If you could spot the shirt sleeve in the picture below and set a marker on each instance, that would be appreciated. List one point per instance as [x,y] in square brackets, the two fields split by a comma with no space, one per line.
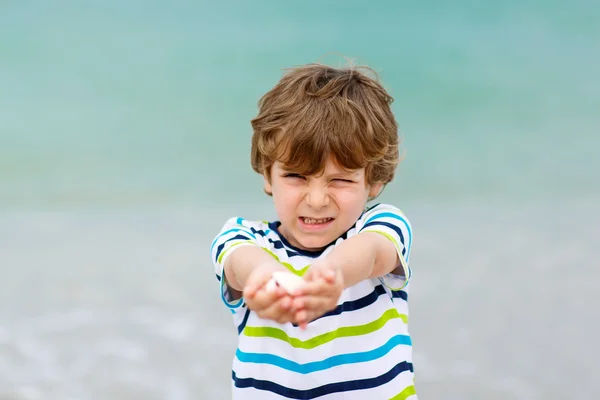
[390,222]
[236,233]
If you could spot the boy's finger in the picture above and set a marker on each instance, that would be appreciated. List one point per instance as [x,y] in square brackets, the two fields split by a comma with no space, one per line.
[330,275]
[255,304]
[318,304]
[301,317]
[262,299]
[255,282]
[312,289]
[304,317]
[250,289]
[317,288]
[309,275]
[270,296]
[277,309]
[298,303]
[315,273]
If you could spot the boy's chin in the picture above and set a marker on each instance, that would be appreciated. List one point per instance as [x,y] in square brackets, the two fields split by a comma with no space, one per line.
[314,243]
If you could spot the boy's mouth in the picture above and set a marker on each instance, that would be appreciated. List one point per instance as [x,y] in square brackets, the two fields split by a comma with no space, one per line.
[314,221]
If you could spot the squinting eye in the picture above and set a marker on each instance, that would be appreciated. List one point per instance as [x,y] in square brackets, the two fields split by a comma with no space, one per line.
[293,176]
[344,180]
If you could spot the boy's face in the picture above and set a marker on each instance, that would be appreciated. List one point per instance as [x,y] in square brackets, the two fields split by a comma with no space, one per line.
[316,210]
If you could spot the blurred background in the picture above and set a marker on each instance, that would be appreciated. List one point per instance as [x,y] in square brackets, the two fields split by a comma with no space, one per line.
[124,146]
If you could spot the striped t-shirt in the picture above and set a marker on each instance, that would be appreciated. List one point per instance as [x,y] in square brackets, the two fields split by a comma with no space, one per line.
[360,350]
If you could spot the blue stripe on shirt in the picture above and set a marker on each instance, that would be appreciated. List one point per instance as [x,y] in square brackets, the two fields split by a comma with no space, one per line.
[229,231]
[394,228]
[331,362]
[240,328]
[222,245]
[398,217]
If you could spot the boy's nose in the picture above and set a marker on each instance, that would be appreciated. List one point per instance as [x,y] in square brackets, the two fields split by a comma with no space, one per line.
[317,198]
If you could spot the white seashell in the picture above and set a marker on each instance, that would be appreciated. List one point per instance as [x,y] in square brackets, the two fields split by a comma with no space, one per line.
[271,285]
[286,280]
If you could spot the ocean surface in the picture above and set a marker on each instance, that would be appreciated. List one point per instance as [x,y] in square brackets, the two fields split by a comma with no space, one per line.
[124,146]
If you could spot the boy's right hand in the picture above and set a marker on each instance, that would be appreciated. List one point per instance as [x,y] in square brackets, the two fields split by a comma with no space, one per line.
[275,305]
[324,286]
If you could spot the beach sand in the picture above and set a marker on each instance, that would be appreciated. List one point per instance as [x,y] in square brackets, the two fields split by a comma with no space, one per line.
[125,305]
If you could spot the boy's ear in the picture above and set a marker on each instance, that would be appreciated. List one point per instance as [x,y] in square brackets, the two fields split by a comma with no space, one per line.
[375,189]
[267,186]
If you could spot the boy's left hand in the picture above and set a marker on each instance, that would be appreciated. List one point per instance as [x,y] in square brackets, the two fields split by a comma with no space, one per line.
[324,285]
[274,305]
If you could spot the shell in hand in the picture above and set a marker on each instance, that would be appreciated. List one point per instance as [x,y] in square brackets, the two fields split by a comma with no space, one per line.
[286,280]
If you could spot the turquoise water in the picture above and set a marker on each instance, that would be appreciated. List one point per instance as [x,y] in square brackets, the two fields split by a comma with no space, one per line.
[124,144]
[121,105]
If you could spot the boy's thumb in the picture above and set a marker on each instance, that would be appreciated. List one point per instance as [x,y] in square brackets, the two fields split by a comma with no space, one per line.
[310,274]
[256,281]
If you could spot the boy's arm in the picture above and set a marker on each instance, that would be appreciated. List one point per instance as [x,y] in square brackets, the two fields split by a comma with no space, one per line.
[245,260]
[246,271]
[380,249]
[366,255]
[243,267]
[237,254]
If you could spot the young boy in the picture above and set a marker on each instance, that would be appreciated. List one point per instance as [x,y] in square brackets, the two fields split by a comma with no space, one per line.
[326,142]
